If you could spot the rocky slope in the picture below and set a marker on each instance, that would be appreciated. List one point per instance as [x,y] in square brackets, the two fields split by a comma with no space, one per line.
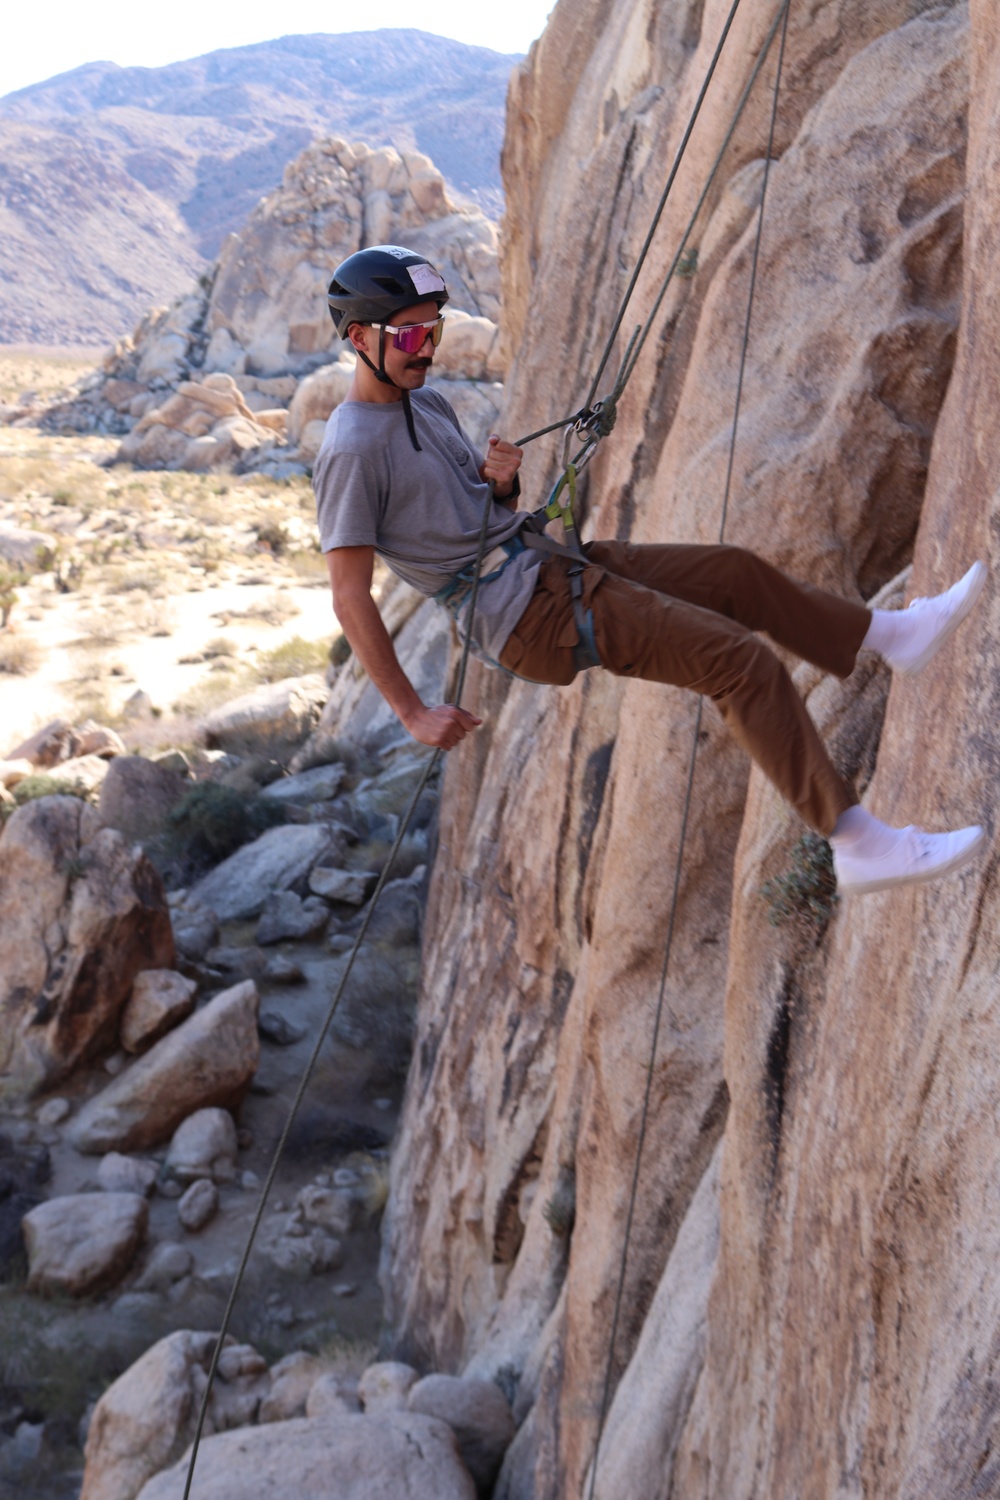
[811,1285]
[118,185]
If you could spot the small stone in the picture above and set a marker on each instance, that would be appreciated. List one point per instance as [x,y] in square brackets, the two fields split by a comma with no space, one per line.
[353,887]
[343,1177]
[168,1264]
[53,1112]
[249,1181]
[274,1028]
[169,1187]
[239,1360]
[281,970]
[285,915]
[292,1378]
[204,1145]
[126,1174]
[383,1104]
[345,1289]
[199,1205]
[307,1254]
[327,1397]
[114,1064]
[334,1209]
[323,1179]
[339,942]
[385,1386]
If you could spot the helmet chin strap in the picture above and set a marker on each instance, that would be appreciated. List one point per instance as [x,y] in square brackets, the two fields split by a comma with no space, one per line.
[379,371]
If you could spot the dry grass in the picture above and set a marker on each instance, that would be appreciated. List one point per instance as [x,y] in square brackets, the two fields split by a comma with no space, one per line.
[20,656]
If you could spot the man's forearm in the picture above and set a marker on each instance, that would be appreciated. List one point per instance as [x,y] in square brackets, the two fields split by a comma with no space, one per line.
[371,643]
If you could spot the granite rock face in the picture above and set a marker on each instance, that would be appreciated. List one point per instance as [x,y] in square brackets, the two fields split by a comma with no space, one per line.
[803,1049]
[81,912]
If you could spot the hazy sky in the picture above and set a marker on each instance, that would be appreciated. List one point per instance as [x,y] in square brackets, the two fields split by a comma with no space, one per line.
[43,39]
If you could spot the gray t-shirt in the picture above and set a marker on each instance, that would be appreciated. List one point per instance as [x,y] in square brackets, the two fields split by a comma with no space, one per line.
[420,511]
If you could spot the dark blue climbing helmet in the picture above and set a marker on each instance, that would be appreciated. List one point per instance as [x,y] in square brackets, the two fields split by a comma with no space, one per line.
[371,285]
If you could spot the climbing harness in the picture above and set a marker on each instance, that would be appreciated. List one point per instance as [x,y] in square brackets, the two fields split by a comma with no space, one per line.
[590,424]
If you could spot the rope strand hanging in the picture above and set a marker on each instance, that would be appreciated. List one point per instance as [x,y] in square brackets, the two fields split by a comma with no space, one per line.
[781,18]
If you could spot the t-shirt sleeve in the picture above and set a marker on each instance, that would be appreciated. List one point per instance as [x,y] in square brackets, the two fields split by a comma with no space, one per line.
[347,501]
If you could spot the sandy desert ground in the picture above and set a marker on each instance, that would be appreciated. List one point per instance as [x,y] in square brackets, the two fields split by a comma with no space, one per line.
[185,588]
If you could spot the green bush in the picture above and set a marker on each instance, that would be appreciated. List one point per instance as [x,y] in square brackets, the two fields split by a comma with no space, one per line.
[210,822]
[293,658]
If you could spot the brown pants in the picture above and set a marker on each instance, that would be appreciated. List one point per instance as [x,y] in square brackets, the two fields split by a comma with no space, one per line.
[686,615]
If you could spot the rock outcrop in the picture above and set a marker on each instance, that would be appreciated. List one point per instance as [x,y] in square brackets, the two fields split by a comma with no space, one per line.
[244,370]
[81,912]
[824,1360]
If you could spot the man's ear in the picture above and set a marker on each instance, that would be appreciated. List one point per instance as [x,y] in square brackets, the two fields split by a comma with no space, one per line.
[357,333]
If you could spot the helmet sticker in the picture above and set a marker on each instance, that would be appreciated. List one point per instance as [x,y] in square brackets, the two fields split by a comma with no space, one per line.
[426,280]
[399,251]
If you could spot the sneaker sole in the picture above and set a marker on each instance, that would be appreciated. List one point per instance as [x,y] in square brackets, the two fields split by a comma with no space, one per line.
[979,569]
[865,887]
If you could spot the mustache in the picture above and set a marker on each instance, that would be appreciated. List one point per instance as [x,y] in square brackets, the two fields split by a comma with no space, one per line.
[419,364]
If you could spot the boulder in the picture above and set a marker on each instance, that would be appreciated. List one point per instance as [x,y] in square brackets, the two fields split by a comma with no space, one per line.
[318,785]
[385,1386]
[146,1419]
[347,1456]
[317,396]
[330,1396]
[204,1145]
[84,1242]
[335,1209]
[81,912]
[208,1060]
[160,998]
[198,1206]
[168,1264]
[286,915]
[126,1174]
[59,741]
[240,886]
[13,772]
[84,773]
[292,1379]
[277,714]
[479,1415]
[196,929]
[22,547]
[137,795]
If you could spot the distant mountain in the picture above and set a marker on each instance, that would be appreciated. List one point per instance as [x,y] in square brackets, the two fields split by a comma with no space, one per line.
[118,185]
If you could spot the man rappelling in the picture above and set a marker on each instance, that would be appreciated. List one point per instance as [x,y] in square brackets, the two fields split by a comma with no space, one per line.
[397,476]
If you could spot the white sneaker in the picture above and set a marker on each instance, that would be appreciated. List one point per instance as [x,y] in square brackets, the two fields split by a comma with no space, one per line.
[916,856]
[936,619]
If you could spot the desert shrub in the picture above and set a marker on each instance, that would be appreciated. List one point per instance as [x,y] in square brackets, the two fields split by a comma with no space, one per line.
[274,609]
[19,655]
[210,822]
[807,892]
[293,658]
[8,594]
[40,785]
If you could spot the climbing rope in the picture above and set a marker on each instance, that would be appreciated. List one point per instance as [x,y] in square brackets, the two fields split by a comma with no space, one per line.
[591,423]
[425,777]
[781,18]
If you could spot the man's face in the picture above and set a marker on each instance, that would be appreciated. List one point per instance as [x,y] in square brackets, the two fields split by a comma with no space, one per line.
[406,370]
